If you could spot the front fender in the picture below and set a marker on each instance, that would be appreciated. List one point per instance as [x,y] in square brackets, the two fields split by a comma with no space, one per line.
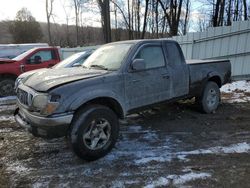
[91,95]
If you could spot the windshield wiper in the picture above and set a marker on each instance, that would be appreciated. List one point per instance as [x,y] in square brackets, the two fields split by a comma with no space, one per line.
[99,66]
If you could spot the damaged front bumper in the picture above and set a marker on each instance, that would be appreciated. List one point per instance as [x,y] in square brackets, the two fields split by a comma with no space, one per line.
[49,127]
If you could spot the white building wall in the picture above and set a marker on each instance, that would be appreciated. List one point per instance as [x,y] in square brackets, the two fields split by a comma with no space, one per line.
[227,42]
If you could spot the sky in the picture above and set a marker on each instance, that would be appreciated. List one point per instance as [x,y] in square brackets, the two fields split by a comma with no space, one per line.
[9,8]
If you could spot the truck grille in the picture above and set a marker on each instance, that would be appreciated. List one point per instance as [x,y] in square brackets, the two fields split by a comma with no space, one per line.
[24,97]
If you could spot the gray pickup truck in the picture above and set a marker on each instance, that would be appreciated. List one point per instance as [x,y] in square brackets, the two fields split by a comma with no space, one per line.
[119,78]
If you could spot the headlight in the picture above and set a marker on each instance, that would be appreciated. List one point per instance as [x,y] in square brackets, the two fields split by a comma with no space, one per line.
[40,101]
[44,104]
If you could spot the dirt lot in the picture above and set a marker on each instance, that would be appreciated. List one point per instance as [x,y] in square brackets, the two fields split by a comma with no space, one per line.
[173,145]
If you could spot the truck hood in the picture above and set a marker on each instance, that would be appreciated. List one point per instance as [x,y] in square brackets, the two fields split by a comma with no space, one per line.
[5,60]
[46,79]
[29,73]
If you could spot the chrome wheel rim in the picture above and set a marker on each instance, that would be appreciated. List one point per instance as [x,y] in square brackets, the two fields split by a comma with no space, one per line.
[212,98]
[97,135]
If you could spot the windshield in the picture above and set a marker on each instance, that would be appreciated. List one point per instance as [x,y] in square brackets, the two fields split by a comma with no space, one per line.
[108,57]
[69,60]
[23,55]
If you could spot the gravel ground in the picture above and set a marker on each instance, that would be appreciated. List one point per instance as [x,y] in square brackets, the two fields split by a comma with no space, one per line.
[168,146]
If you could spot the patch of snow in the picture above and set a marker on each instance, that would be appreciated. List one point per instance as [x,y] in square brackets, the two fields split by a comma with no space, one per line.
[40,184]
[161,181]
[182,179]
[152,136]
[6,130]
[17,168]
[177,180]
[7,118]
[236,92]
[134,128]
[117,184]
[130,182]
[150,159]
[234,148]
[238,85]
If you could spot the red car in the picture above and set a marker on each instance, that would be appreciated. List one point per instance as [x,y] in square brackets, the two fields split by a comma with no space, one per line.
[35,58]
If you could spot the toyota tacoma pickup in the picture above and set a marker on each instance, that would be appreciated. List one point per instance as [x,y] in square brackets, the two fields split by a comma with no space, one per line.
[85,103]
[35,58]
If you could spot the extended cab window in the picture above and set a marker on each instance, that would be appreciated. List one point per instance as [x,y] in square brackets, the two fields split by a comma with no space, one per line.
[173,54]
[45,55]
[152,55]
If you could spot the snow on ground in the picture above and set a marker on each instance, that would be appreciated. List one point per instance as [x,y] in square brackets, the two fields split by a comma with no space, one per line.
[234,148]
[161,181]
[177,180]
[182,179]
[7,118]
[238,85]
[236,92]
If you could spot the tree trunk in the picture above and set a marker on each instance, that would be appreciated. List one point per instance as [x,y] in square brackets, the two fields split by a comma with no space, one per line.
[186,18]
[145,20]
[229,13]
[76,21]
[48,14]
[157,19]
[216,14]
[138,19]
[105,16]
[245,9]
[221,17]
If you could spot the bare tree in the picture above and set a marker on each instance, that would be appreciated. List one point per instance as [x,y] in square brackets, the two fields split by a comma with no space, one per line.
[105,17]
[172,11]
[49,9]
[67,14]
[245,9]
[77,5]
[145,19]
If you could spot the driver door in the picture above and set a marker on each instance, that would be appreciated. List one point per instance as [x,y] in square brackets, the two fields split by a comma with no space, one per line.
[40,59]
[151,85]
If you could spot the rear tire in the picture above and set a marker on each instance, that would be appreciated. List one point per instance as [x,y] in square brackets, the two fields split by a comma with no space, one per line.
[94,131]
[210,99]
[7,87]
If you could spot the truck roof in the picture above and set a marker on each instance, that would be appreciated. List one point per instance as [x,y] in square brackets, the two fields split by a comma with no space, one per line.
[46,47]
[141,41]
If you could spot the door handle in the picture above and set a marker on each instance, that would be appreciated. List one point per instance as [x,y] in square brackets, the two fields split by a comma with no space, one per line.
[134,81]
[166,76]
[22,68]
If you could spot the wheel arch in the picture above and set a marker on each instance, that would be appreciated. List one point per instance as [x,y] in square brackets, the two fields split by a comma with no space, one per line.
[8,75]
[215,77]
[110,102]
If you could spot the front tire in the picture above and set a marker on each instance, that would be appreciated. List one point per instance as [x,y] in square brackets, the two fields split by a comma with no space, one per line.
[94,131]
[7,87]
[210,99]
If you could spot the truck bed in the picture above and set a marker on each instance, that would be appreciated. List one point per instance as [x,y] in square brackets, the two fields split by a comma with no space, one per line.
[201,70]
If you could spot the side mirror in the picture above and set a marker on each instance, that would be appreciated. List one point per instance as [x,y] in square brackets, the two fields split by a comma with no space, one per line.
[37,59]
[138,64]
